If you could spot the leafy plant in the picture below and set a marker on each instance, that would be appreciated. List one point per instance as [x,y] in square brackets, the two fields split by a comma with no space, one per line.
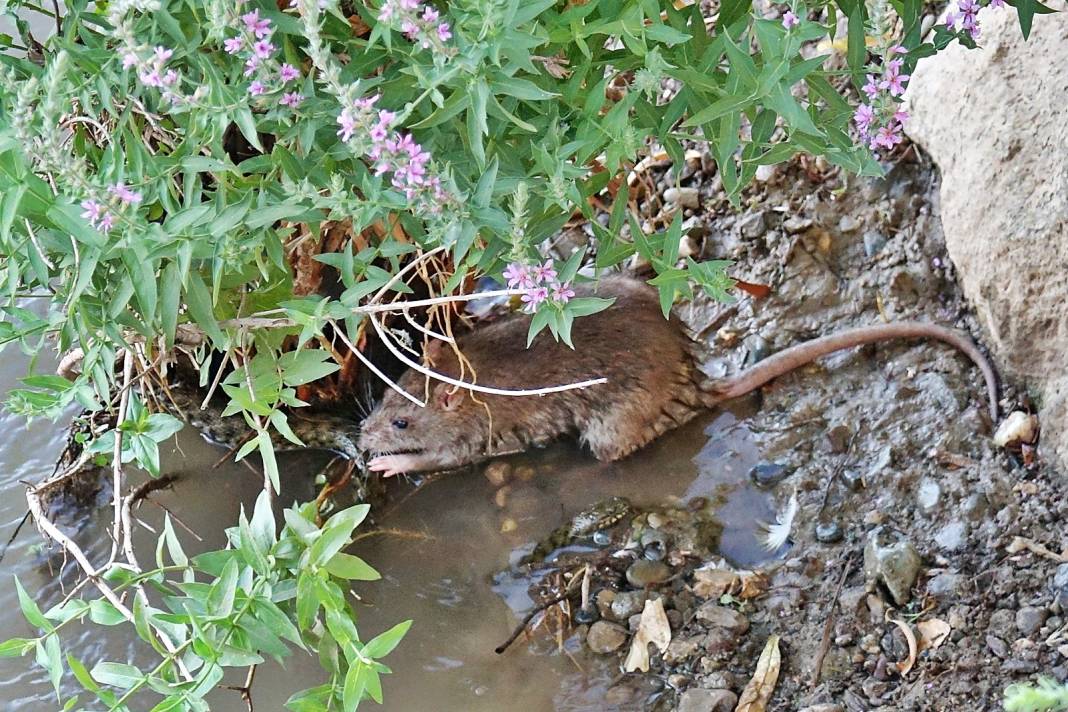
[1046,696]
[161,161]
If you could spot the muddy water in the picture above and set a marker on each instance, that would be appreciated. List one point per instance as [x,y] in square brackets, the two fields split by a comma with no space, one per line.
[442,553]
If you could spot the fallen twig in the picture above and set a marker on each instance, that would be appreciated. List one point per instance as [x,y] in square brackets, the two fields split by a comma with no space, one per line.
[825,643]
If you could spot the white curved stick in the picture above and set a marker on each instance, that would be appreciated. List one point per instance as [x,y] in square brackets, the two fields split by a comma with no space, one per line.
[375,369]
[475,387]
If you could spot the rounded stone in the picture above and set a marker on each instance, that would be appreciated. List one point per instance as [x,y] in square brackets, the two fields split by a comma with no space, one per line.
[647,572]
[699,700]
[605,637]
[768,474]
[828,532]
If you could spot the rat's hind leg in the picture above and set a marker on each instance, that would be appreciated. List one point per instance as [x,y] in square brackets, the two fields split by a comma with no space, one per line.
[616,433]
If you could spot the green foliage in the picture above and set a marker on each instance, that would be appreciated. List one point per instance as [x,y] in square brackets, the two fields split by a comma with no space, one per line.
[1046,696]
[265,596]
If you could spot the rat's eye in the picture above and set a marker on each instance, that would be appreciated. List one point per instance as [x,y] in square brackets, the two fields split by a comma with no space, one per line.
[400,423]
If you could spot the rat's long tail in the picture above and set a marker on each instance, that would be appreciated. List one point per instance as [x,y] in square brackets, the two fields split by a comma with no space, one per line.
[789,359]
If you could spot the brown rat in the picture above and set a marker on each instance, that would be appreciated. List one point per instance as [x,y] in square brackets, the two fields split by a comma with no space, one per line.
[653,385]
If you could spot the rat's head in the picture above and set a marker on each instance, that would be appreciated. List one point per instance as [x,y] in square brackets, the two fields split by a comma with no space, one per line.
[399,426]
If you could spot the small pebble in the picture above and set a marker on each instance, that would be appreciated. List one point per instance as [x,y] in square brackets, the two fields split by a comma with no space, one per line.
[605,637]
[1030,619]
[686,197]
[498,473]
[585,615]
[828,532]
[873,242]
[654,551]
[848,223]
[753,225]
[508,526]
[500,497]
[768,474]
[601,537]
[647,573]
[698,700]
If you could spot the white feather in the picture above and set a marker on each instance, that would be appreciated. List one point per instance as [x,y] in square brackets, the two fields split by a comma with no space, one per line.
[777,534]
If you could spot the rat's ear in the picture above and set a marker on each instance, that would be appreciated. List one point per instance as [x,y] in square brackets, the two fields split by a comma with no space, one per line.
[449,397]
[434,350]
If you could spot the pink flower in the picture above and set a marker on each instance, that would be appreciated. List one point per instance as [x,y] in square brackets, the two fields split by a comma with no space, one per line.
[562,293]
[997,3]
[107,221]
[535,297]
[518,276]
[170,78]
[91,211]
[545,273]
[151,78]
[347,124]
[790,20]
[162,54]
[287,72]
[951,20]
[124,194]
[261,27]
[444,34]
[129,60]
[887,136]
[893,81]
[863,118]
[901,116]
[234,45]
[263,49]
[256,88]
[291,99]
[898,49]
[251,65]
[872,87]
[430,15]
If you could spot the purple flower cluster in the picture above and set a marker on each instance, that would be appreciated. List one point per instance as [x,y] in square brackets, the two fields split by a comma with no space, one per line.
[370,131]
[966,15]
[422,25]
[267,75]
[539,283]
[880,121]
[151,70]
[101,215]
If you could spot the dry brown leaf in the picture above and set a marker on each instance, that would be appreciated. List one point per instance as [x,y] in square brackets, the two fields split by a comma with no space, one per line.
[756,694]
[904,666]
[1020,543]
[653,628]
[932,633]
[713,583]
[754,583]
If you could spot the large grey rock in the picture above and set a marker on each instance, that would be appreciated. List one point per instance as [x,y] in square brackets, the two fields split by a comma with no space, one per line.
[995,120]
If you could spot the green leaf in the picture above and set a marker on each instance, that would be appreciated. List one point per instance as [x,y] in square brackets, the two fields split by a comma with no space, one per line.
[270,464]
[247,125]
[220,600]
[305,366]
[355,683]
[30,611]
[381,645]
[351,567]
[198,299]
[16,647]
[520,89]
[116,674]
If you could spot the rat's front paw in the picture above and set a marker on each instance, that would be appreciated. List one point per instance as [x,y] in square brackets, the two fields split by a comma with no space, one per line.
[390,465]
